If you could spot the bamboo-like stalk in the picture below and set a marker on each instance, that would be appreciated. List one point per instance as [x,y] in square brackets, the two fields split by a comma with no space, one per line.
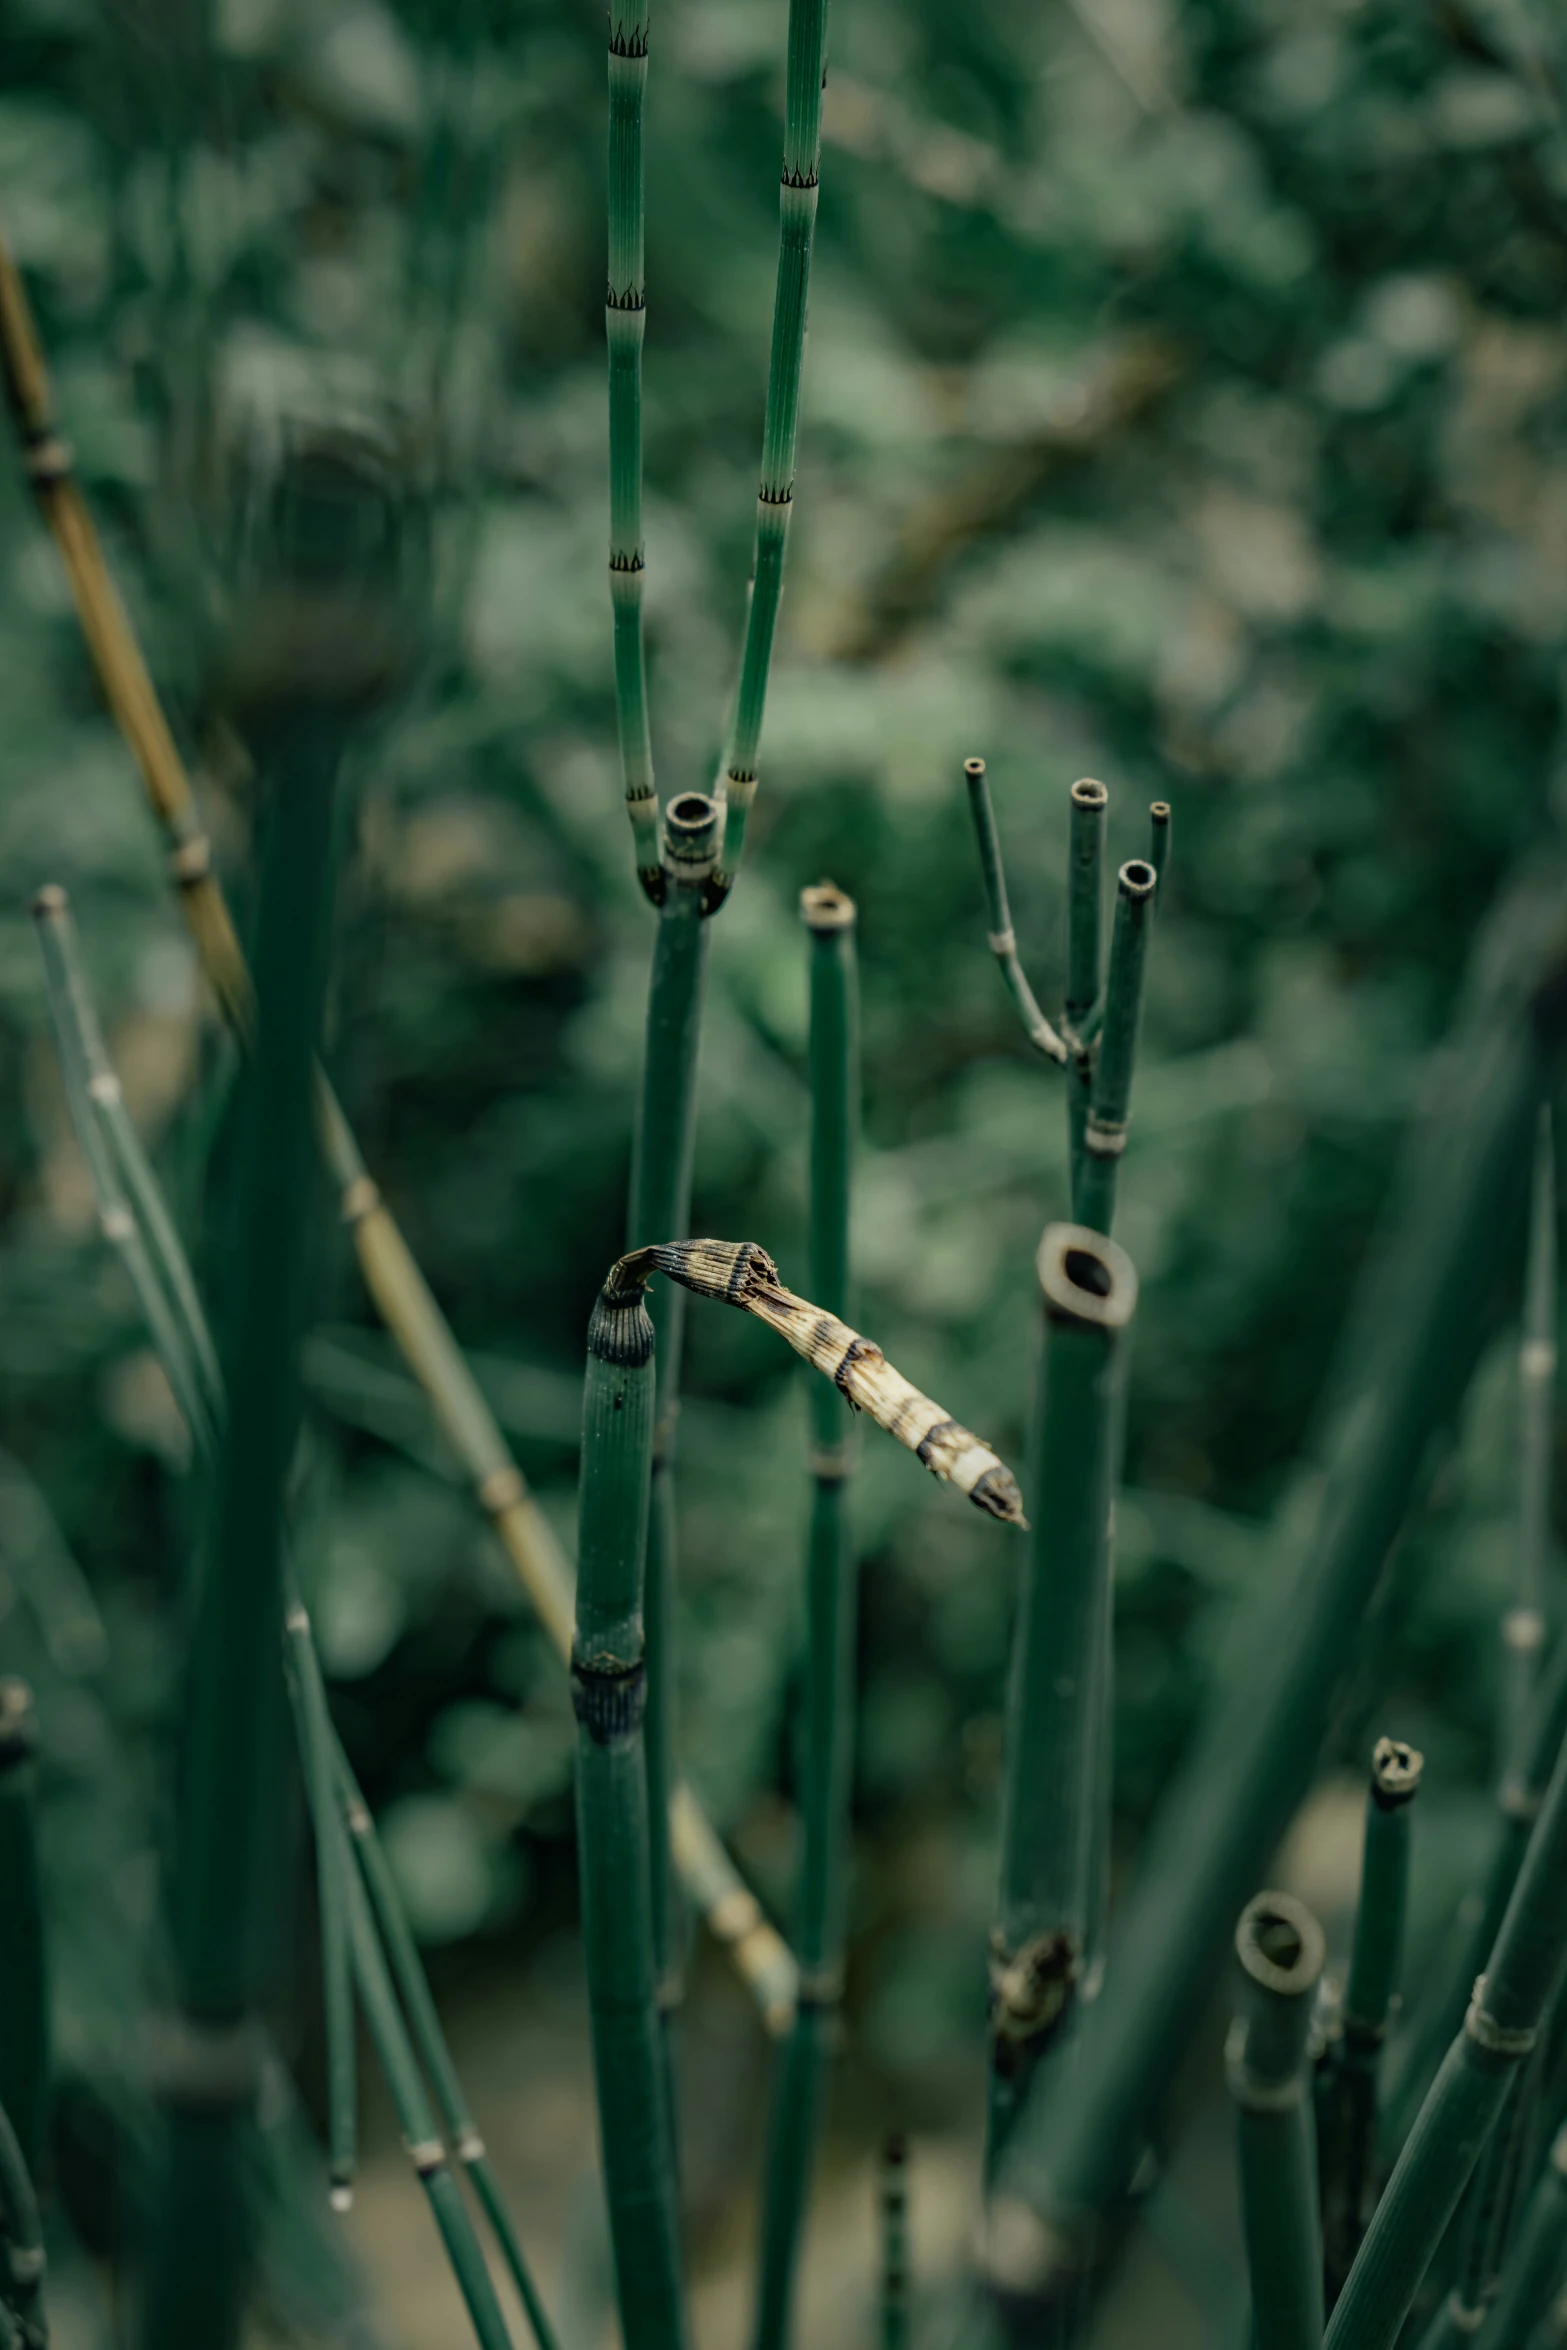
[660,1207]
[1003,939]
[625,320]
[24,2261]
[1110,1094]
[1055,1749]
[893,2211]
[609,1694]
[738,1273]
[229,1845]
[1082,1008]
[1523,1626]
[1281,1950]
[396,1286]
[800,2082]
[333,1863]
[1498,2034]
[24,1980]
[1538,2264]
[1072,2153]
[1488,2208]
[805,73]
[1369,2001]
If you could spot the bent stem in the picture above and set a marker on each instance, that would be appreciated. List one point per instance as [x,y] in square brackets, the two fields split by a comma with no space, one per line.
[1003,939]
[1056,1749]
[800,2080]
[1281,1950]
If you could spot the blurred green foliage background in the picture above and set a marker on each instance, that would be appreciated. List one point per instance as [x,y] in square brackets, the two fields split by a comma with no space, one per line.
[1184,405]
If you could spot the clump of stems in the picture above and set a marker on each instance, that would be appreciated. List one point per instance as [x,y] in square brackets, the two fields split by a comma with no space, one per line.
[826,1745]
[1538,2264]
[1054,1805]
[1348,2106]
[1281,1950]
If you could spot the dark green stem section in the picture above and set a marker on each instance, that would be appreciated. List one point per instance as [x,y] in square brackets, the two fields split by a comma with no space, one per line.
[1110,1095]
[799,2092]
[1281,1950]
[893,2331]
[1003,940]
[625,317]
[24,1982]
[1056,1749]
[1538,2265]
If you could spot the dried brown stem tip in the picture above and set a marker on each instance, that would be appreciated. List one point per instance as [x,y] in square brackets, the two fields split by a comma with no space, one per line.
[738,1273]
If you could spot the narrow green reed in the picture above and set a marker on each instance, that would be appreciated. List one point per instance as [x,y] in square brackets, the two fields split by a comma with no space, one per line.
[660,1209]
[1110,1092]
[1483,2225]
[609,1691]
[22,2282]
[333,1863]
[1280,1947]
[1159,840]
[1071,2155]
[893,2311]
[1056,1749]
[1498,2034]
[1081,1007]
[1003,939]
[1523,1626]
[826,1745]
[804,75]
[1349,2105]
[24,1982]
[1538,2264]
[625,319]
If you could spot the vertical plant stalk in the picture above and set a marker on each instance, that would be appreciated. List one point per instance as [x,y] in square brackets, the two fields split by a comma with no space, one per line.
[1486,2220]
[24,1981]
[1056,1749]
[1539,2261]
[625,319]
[800,2081]
[609,1689]
[1370,1999]
[804,75]
[1159,841]
[893,2206]
[1072,2153]
[1110,1093]
[21,2294]
[228,1868]
[1498,2035]
[396,1286]
[1523,1626]
[1002,938]
[333,1863]
[1081,1008]
[661,1210]
[1281,1950]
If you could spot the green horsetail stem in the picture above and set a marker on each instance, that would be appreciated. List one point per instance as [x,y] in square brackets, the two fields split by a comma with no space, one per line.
[22,2268]
[613,1861]
[1281,1950]
[893,2209]
[1072,2154]
[1055,1748]
[1003,939]
[1349,2115]
[738,1273]
[826,1747]
[805,73]
[333,1863]
[1523,1626]
[1081,1007]
[625,319]
[1110,1092]
[1484,2225]
[1538,2264]
[1498,2034]
[660,1205]
[1159,840]
[24,1979]
[229,1849]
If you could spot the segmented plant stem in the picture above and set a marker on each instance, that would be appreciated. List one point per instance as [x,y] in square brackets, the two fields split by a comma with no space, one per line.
[826,1747]
[1523,1626]
[1055,1750]
[1470,2090]
[1003,939]
[24,1980]
[1071,2154]
[1110,1092]
[609,1693]
[1081,1008]
[804,75]
[625,318]
[317,1742]
[397,1287]
[1281,1950]
[893,2200]
[1538,2264]
[1350,2101]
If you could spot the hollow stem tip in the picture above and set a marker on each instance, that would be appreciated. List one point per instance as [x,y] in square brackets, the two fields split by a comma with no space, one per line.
[738,1273]
[1395,1773]
[1281,1950]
